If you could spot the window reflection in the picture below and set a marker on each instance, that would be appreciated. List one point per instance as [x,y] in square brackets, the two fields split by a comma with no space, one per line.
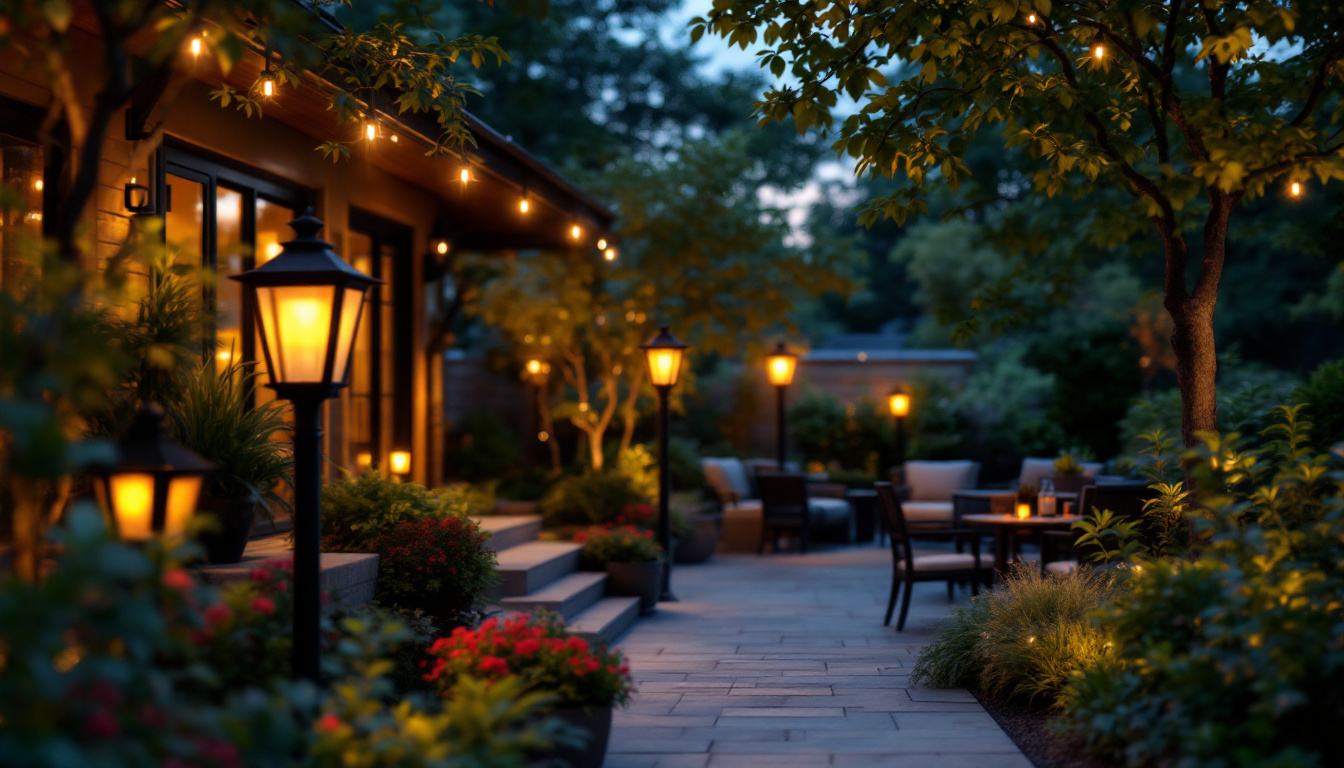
[230,250]
[20,225]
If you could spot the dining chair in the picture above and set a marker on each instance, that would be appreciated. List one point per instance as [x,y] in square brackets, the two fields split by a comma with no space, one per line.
[783,507]
[908,568]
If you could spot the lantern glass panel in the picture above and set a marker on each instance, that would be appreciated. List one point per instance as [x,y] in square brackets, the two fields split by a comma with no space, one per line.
[401,462]
[132,504]
[664,366]
[296,326]
[350,313]
[184,491]
[780,369]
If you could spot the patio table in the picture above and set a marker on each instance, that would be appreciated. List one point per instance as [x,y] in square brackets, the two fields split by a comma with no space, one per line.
[1008,527]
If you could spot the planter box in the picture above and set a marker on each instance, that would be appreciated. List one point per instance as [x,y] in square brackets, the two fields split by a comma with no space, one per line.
[352,577]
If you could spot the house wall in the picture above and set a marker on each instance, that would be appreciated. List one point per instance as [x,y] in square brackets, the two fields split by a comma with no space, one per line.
[275,149]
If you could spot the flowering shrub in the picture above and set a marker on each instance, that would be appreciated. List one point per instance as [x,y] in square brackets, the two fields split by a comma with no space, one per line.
[246,636]
[442,567]
[538,649]
[101,666]
[623,544]
[357,510]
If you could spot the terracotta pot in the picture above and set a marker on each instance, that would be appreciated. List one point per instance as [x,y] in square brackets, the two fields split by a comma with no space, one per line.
[642,580]
[700,541]
[234,515]
[597,722]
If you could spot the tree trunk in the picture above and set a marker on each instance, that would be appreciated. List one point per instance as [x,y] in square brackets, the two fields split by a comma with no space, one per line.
[1196,369]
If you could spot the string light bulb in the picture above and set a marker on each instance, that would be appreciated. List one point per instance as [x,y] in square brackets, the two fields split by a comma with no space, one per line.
[1031,18]
[1098,51]
[524,205]
[464,173]
[267,83]
[370,130]
[576,232]
[393,138]
[602,244]
[195,46]
[1295,189]
[609,254]
[441,246]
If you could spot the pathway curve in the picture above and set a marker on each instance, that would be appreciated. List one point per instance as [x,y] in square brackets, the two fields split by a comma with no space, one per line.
[782,660]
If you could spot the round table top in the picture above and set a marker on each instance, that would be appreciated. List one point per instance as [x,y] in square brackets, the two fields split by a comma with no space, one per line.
[1035,521]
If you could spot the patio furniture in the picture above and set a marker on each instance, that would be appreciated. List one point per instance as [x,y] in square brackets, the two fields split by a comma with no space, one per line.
[1009,528]
[786,505]
[908,568]
[864,503]
[1126,500]
[926,497]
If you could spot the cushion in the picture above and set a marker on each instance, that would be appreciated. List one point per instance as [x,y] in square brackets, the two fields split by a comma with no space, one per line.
[725,475]
[920,512]
[1090,469]
[1034,471]
[938,480]
[1062,567]
[948,562]
[825,510]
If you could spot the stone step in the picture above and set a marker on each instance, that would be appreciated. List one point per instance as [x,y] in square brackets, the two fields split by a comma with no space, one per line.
[566,596]
[351,577]
[526,568]
[606,619]
[510,530]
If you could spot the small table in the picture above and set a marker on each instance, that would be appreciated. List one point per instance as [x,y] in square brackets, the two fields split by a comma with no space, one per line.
[864,504]
[1008,527]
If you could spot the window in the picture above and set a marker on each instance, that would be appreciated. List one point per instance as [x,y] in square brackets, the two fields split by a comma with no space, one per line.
[22,171]
[380,371]
[227,221]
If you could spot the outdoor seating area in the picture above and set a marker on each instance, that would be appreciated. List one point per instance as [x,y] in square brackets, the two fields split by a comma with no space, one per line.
[671,384]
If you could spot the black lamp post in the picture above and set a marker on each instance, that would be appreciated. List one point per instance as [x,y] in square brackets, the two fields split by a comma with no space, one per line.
[779,368]
[308,305]
[153,489]
[898,402]
[663,354]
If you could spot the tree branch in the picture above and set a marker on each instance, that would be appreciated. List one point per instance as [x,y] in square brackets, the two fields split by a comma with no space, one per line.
[1317,89]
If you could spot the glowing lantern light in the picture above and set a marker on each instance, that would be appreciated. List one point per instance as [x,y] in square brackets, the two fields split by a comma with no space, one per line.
[400,462]
[154,488]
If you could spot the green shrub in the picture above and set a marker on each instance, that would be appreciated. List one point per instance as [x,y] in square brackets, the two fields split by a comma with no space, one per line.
[1022,639]
[683,464]
[620,544]
[1234,658]
[212,415]
[442,567]
[132,675]
[588,499]
[358,509]
[524,485]
[856,436]
[639,465]
[1323,394]
[487,447]
[463,499]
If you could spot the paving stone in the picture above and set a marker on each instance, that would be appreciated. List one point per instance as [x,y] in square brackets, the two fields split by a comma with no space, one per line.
[783,661]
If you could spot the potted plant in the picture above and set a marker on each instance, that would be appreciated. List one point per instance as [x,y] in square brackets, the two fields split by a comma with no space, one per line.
[631,558]
[213,417]
[1069,476]
[586,681]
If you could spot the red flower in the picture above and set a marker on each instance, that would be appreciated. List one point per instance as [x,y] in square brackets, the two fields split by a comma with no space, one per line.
[578,644]
[527,647]
[263,605]
[260,574]
[102,725]
[328,723]
[494,665]
[179,579]
[217,613]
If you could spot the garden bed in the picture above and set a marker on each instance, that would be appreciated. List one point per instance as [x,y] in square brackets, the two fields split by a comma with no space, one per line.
[1029,728]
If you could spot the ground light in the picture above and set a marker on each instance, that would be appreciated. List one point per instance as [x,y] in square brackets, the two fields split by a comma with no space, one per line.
[779,368]
[153,489]
[308,304]
[663,355]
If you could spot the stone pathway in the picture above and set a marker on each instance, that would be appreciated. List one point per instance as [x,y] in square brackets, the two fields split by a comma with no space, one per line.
[782,660]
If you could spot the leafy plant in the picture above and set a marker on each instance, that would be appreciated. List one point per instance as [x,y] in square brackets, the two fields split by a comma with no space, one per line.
[639,465]
[441,566]
[1023,639]
[486,447]
[1232,658]
[1162,528]
[213,416]
[588,499]
[623,544]
[538,649]
[1067,464]
[1323,395]
[356,510]
[462,500]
